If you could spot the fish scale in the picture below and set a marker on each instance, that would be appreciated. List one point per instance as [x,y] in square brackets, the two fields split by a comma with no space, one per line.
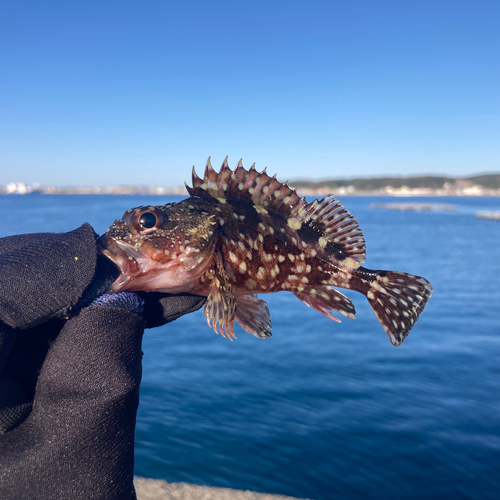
[243,232]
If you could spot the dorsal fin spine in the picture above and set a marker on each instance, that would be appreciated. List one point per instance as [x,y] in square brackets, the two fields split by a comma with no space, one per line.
[327,216]
[197,182]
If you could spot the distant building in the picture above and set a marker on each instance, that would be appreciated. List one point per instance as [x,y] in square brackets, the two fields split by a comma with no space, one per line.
[17,188]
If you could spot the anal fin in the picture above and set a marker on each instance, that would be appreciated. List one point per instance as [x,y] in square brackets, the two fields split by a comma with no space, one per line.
[323,299]
[253,316]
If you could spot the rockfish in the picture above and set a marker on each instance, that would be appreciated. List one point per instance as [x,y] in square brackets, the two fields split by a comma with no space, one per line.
[241,233]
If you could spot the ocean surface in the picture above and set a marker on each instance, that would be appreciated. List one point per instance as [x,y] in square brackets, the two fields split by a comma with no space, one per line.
[326,410]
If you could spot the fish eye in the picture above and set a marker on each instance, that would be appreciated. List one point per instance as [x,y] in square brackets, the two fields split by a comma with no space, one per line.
[145,220]
[148,220]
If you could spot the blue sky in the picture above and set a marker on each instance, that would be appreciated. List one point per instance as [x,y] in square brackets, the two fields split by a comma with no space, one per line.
[136,92]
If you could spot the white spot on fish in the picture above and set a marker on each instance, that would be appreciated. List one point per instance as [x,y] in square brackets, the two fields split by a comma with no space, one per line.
[242,267]
[267,257]
[322,242]
[351,263]
[294,223]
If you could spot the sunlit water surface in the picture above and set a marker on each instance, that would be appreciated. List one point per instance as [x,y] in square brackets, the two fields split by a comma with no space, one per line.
[325,410]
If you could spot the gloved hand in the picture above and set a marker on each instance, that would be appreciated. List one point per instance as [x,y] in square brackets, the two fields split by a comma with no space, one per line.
[70,368]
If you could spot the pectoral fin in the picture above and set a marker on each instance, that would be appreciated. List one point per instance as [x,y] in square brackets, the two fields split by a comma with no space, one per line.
[221,303]
[222,307]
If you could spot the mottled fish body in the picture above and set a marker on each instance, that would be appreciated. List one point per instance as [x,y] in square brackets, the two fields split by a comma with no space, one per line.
[241,233]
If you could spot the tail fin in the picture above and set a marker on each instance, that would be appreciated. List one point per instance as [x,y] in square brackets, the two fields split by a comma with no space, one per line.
[398,299]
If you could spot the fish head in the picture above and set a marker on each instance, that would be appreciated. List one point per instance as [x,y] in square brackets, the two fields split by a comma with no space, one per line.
[160,248]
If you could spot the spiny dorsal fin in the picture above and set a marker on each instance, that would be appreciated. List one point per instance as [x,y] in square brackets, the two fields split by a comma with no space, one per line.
[250,185]
[329,217]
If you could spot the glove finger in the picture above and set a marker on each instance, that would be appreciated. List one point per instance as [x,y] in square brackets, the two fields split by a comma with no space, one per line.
[14,404]
[162,308]
[46,276]
[78,441]
[22,353]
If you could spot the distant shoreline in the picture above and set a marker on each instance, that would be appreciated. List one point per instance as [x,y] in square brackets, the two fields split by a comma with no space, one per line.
[478,185]
[407,193]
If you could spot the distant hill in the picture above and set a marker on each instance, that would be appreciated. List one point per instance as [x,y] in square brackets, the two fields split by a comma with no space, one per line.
[488,181]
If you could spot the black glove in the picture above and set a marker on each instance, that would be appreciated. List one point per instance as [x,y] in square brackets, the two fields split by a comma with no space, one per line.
[70,368]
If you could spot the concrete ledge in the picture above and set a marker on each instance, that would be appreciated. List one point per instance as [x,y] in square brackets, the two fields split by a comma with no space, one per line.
[153,489]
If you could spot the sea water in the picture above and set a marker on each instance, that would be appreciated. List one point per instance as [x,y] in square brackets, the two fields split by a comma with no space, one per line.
[326,410]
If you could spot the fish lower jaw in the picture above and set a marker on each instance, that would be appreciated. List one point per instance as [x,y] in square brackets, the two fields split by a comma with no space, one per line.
[123,260]
[165,281]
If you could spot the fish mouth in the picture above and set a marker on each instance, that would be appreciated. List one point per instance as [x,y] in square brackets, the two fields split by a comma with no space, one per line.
[121,255]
